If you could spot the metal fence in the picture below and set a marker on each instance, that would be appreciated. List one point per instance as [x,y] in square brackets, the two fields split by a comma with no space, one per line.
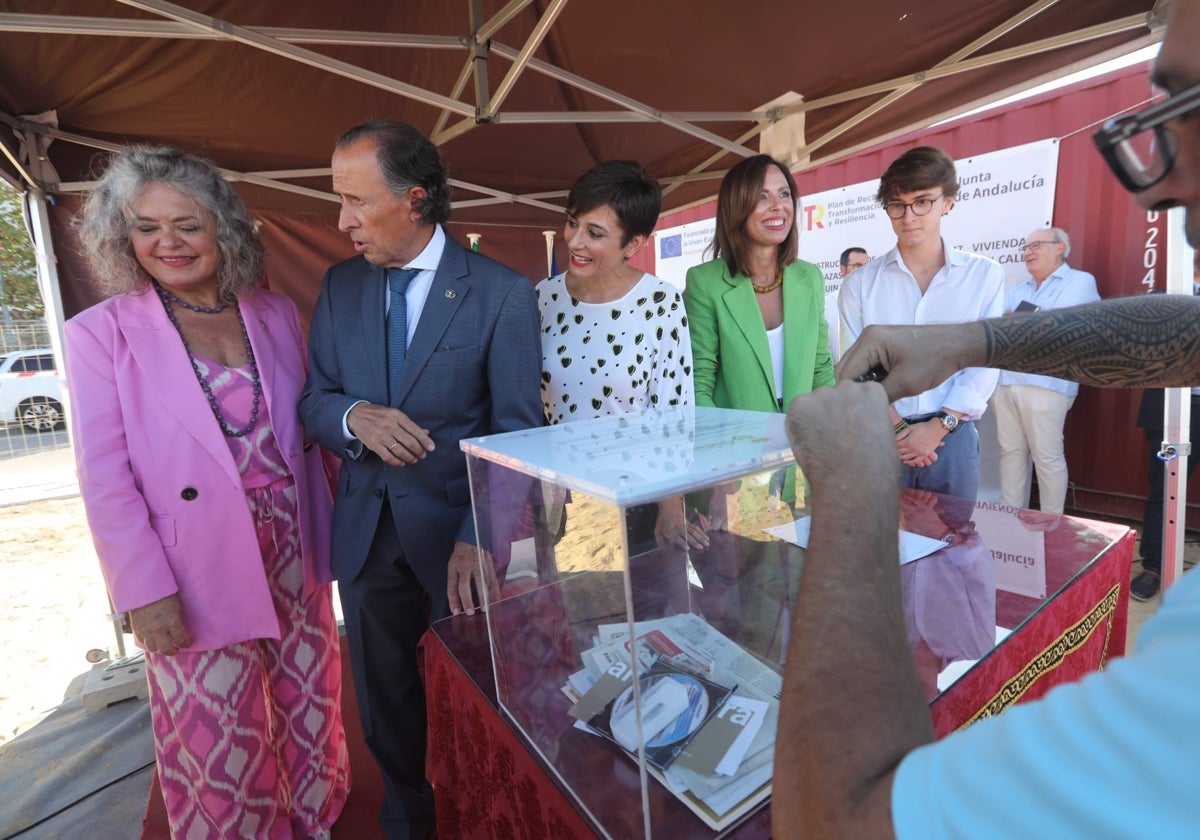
[23,335]
[32,418]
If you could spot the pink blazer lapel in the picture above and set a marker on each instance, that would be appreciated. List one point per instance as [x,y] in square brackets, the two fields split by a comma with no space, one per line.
[159,354]
[279,362]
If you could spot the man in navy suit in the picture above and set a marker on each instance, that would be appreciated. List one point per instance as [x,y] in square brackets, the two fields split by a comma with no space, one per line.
[416,343]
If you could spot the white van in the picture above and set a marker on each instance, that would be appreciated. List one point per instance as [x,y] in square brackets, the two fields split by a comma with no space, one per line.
[30,393]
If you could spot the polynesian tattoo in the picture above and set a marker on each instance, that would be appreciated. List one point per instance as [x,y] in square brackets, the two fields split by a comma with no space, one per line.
[1143,341]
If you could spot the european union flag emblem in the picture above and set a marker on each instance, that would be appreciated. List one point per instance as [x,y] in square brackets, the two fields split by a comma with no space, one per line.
[670,246]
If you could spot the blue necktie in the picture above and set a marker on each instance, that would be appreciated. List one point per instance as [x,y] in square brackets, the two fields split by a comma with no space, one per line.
[397,325]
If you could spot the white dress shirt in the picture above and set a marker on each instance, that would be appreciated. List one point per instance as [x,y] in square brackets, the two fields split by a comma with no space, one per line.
[418,288]
[967,288]
[1065,286]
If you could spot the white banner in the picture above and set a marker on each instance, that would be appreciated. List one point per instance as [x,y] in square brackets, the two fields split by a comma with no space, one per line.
[1003,197]
[679,248]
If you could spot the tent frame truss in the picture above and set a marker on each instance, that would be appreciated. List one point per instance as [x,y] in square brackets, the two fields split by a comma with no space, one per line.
[182,23]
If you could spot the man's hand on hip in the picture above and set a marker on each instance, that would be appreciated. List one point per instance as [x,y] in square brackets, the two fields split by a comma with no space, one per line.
[389,433]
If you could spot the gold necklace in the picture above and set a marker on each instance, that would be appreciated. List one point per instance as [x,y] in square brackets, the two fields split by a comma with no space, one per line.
[762,290]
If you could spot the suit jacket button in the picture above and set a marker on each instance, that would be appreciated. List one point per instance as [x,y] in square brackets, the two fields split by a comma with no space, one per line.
[188,494]
[378,493]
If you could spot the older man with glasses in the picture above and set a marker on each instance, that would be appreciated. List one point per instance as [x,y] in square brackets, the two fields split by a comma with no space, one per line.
[1113,755]
[925,281]
[1030,408]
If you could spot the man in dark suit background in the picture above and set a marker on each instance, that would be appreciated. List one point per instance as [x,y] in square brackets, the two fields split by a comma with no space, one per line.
[416,343]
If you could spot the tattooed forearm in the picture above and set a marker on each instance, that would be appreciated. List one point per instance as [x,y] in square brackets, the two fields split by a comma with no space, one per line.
[1149,340]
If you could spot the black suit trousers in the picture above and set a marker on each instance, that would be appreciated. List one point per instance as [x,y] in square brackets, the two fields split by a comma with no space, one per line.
[386,611]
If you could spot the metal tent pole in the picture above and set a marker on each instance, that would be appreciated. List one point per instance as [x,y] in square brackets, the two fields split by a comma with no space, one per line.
[1177,409]
[48,283]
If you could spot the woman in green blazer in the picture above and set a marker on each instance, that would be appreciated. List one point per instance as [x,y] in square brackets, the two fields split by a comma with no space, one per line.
[759,336]
[757,314]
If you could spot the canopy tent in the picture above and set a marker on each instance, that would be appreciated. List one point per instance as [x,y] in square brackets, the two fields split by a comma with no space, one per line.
[522,97]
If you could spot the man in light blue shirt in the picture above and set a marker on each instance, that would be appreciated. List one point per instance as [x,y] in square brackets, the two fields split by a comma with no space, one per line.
[1031,409]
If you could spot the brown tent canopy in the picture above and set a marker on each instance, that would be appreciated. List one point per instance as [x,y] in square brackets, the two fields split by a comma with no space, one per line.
[522,97]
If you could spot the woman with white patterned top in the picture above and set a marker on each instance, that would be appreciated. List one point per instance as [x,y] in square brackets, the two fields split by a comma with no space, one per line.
[614,338]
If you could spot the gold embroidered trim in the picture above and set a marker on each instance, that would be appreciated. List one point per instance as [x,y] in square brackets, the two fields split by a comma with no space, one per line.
[1053,655]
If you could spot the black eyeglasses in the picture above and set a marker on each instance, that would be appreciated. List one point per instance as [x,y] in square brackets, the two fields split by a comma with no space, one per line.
[1037,244]
[1139,148]
[920,207]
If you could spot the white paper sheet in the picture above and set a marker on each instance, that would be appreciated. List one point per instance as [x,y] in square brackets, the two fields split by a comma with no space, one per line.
[912,546]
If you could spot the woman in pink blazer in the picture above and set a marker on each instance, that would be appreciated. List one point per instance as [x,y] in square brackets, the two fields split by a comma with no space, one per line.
[209,512]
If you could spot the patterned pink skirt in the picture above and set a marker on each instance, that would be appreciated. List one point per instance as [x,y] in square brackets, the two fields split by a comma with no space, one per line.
[249,738]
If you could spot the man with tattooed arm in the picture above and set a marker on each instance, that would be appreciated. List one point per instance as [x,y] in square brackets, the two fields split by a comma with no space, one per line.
[856,755]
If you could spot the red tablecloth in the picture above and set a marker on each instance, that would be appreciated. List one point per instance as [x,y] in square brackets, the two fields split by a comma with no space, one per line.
[1076,631]
[490,784]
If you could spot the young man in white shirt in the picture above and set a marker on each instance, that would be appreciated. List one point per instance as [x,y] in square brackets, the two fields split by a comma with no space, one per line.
[924,281]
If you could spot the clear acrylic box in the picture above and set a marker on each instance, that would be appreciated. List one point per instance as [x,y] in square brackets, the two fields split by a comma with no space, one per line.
[569,516]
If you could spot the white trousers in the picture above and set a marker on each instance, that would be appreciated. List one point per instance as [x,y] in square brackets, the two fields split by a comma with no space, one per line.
[1029,421]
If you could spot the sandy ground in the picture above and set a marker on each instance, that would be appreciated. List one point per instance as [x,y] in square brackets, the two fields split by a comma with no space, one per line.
[52,608]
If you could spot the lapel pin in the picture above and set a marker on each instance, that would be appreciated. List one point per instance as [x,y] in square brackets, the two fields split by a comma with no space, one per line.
[450,294]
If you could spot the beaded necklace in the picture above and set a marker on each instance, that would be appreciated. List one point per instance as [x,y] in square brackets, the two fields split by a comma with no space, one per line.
[207,310]
[770,287]
[255,381]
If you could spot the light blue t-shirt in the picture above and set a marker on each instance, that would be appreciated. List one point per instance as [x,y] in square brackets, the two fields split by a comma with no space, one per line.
[1116,754]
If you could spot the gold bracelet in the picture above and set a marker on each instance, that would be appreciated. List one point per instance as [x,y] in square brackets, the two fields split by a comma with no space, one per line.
[900,427]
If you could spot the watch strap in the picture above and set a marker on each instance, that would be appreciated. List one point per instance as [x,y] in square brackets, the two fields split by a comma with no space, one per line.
[954,421]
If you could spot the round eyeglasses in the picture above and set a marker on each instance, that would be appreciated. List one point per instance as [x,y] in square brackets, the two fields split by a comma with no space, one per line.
[920,207]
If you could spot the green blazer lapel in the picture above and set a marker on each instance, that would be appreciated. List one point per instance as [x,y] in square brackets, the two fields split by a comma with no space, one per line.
[799,322]
[740,301]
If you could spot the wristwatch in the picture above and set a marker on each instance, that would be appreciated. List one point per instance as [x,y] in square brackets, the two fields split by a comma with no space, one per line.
[949,421]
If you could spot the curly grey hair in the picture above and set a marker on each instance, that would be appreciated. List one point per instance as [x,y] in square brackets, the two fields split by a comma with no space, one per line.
[106,218]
